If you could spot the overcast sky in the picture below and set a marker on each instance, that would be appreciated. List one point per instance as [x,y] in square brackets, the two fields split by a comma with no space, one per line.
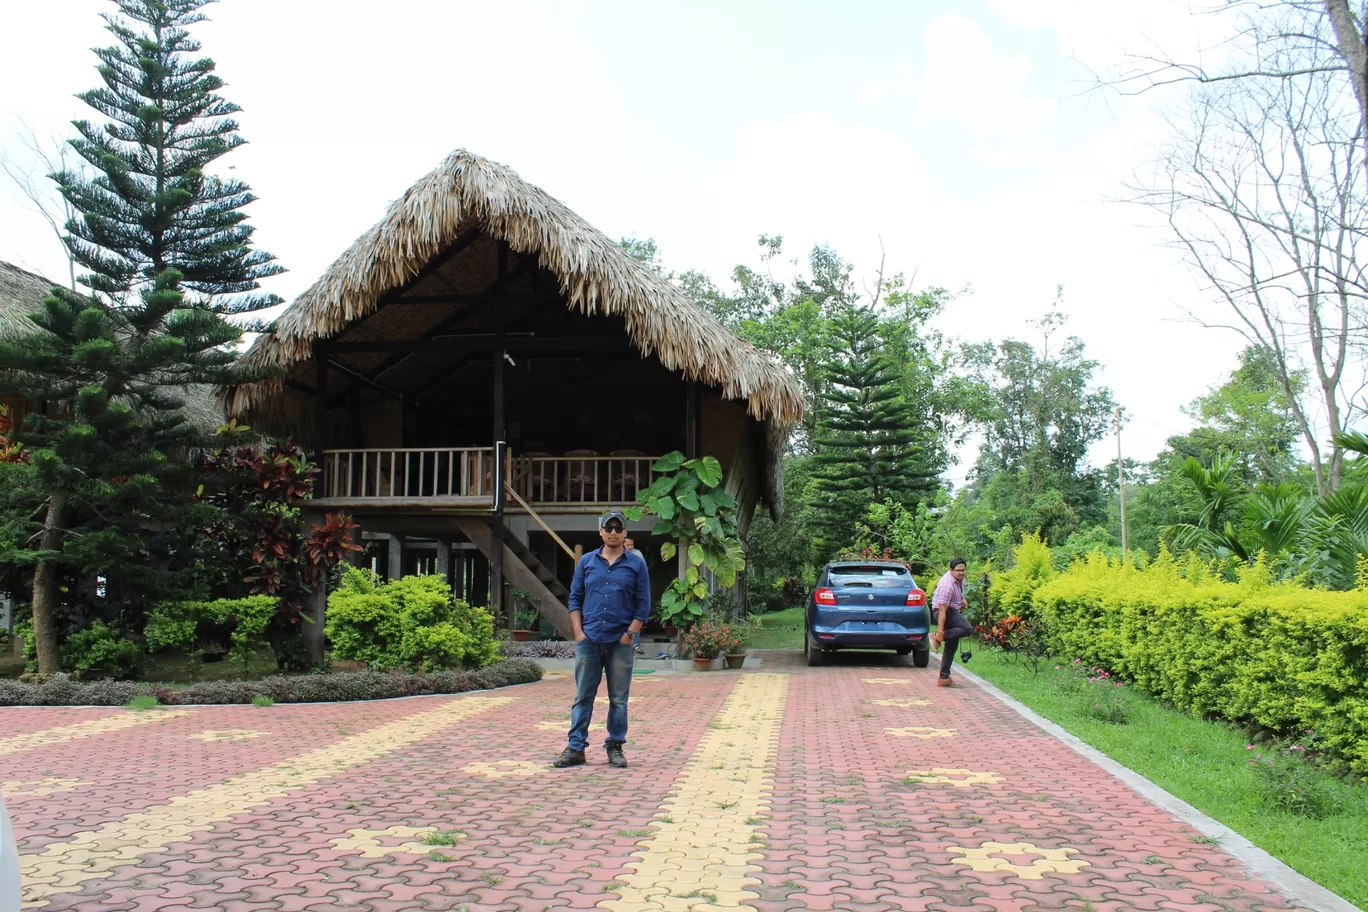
[960,136]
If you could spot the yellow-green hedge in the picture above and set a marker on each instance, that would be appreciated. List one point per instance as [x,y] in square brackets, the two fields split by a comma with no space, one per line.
[1274,654]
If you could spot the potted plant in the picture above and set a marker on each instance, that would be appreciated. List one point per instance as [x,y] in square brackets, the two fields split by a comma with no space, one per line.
[736,645]
[526,618]
[705,642]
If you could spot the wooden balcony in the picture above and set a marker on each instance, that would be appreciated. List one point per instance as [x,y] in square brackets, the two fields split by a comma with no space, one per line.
[463,478]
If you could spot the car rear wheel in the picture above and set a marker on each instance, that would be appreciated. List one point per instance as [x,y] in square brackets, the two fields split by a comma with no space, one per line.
[815,656]
[921,657]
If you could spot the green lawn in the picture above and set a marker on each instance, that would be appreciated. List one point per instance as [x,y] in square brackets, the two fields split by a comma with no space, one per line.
[780,630]
[1206,764]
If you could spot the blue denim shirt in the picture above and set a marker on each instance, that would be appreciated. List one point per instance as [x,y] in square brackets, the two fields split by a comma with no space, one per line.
[610,597]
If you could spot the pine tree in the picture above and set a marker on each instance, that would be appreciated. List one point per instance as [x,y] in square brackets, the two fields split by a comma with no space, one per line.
[169,253]
[871,444]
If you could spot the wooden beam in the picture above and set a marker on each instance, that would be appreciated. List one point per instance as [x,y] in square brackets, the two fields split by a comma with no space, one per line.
[437,262]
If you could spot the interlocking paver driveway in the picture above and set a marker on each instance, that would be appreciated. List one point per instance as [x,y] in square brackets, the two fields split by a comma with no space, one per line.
[859,787]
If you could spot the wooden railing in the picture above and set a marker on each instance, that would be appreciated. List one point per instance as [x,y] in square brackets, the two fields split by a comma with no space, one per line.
[582,479]
[409,473]
[468,472]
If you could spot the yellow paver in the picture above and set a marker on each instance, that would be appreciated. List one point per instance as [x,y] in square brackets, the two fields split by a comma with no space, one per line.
[553,725]
[62,866]
[228,734]
[37,788]
[701,856]
[921,731]
[87,729]
[366,843]
[1051,861]
[959,778]
[886,680]
[500,769]
[903,703]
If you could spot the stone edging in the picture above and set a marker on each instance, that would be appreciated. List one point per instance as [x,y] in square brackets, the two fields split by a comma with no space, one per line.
[1294,885]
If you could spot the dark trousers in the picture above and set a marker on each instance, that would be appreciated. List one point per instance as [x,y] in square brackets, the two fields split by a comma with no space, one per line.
[957,627]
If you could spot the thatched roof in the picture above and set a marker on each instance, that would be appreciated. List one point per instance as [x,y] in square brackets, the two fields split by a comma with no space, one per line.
[21,293]
[596,277]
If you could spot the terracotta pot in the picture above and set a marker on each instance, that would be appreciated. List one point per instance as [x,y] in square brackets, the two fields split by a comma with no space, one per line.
[736,661]
[702,664]
[522,636]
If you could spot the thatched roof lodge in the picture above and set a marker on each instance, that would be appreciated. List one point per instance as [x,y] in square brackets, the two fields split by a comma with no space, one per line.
[481,309]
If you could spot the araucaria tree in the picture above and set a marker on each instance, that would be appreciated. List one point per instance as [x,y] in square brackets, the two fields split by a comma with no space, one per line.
[168,253]
[870,443]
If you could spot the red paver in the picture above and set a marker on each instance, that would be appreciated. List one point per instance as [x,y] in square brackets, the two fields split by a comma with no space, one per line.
[557,840]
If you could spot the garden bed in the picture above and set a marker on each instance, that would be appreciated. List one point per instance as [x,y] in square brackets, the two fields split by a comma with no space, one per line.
[309,688]
[1208,765]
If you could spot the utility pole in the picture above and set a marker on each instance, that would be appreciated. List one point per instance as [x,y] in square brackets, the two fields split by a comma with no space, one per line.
[1121,485]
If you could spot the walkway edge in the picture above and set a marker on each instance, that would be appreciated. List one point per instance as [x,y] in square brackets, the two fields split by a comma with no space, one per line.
[1295,886]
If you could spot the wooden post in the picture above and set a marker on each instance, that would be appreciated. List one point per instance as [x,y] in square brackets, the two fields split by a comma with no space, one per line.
[691,437]
[315,615]
[496,568]
[320,431]
[444,559]
[395,570]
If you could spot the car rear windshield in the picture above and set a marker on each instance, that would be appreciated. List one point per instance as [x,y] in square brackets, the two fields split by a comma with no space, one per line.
[873,577]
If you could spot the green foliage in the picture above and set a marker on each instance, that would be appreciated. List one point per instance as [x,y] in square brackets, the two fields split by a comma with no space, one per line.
[1256,651]
[1288,783]
[696,516]
[191,625]
[143,702]
[1013,590]
[413,622]
[261,700]
[100,651]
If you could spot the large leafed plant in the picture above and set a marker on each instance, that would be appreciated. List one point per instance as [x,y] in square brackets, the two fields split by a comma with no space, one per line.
[699,519]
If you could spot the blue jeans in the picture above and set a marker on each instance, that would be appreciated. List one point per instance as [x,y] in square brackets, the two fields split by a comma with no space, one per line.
[591,661]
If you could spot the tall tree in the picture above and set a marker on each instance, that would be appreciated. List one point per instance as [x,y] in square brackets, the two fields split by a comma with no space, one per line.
[1258,191]
[870,444]
[169,253]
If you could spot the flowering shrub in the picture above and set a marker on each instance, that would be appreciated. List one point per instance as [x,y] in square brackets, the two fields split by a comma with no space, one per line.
[708,640]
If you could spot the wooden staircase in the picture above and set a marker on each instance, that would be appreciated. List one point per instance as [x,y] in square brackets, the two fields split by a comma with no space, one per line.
[524,570]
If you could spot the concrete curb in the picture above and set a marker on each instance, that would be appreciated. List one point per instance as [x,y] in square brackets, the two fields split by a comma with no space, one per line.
[1295,886]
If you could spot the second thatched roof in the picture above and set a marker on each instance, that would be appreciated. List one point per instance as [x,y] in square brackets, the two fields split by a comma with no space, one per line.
[21,293]
[596,277]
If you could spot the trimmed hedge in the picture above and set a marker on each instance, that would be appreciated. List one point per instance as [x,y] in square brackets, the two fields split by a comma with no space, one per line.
[1254,652]
[318,688]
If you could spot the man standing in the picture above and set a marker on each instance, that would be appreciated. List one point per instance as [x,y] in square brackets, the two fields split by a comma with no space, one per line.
[610,599]
[951,625]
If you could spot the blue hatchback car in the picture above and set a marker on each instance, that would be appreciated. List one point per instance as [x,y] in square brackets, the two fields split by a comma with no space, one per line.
[867,605]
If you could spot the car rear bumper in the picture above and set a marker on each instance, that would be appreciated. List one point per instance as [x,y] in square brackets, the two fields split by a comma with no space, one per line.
[844,636]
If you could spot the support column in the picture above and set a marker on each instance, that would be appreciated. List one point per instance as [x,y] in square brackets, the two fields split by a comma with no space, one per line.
[444,560]
[691,435]
[315,613]
[320,430]
[395,569]
[496,567]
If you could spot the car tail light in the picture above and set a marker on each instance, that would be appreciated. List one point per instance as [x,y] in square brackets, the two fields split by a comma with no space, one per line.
[916,598]
[825,597]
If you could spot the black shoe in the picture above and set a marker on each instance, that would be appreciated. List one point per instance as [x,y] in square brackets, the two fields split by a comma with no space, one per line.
[568,757]
[966,656]
[615,757]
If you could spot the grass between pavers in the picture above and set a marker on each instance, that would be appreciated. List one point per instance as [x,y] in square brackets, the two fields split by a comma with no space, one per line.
[780,630]
[1207,765]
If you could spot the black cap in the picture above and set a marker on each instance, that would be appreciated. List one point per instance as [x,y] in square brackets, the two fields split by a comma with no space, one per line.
[612,515]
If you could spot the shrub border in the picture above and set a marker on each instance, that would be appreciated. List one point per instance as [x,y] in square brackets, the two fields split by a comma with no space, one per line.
[62,691]
[1287,879]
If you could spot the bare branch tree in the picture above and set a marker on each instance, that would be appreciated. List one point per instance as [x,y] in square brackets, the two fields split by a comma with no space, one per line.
[1259,189]
[1277,40]
[48,155]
